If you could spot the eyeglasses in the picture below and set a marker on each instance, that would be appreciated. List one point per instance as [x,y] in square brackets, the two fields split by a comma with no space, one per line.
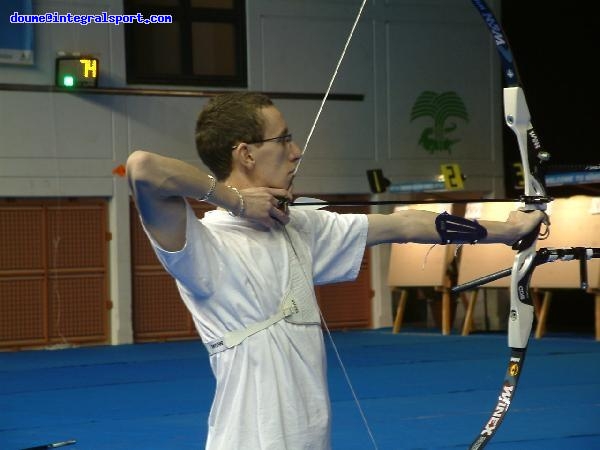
[283,139]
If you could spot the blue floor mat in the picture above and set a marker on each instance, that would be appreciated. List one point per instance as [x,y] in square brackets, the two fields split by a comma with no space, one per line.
[417,391]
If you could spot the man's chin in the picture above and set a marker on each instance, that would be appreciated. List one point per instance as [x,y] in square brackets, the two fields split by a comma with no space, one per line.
[286,184]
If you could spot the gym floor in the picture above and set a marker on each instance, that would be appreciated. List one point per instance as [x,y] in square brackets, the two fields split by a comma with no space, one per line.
[418,390]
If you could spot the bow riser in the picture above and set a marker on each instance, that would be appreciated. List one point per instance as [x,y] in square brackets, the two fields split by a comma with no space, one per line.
[518,119]
[521,307]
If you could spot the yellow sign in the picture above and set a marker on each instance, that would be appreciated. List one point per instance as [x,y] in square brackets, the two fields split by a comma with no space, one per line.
[89,67]
[453,179]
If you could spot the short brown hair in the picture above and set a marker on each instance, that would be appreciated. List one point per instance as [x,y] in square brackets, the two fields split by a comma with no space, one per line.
[225,121]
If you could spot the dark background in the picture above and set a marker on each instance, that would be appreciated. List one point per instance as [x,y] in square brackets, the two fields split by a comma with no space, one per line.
[556,48]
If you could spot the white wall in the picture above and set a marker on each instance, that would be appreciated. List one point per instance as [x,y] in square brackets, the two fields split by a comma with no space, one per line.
[56,144]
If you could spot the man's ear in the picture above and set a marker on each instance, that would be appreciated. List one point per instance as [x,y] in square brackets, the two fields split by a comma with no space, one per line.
[243,155]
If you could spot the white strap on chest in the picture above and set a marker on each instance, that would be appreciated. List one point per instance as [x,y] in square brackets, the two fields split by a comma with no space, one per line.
[233,338]
[298,306]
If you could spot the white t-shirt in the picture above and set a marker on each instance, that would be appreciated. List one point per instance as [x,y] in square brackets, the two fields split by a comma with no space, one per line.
[271,389]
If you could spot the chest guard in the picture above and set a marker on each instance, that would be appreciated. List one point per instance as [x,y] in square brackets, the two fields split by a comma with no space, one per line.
[301,292]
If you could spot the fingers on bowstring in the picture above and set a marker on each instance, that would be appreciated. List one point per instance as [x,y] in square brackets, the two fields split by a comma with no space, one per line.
[280,214]
[544,227]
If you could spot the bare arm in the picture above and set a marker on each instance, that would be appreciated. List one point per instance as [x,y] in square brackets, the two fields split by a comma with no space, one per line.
[419,227]
[159,185]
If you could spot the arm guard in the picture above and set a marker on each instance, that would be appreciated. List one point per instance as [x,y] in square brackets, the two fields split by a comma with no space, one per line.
[458,230]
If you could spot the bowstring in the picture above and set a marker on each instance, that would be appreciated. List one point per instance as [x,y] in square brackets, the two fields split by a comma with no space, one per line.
[310,134]
[331,81]
[54,298]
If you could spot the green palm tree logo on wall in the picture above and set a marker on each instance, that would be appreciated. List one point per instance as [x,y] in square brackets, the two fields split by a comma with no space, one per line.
[440,107]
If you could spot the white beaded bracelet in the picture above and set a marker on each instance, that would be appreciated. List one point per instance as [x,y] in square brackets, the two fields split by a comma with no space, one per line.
[211,190]
[242,207]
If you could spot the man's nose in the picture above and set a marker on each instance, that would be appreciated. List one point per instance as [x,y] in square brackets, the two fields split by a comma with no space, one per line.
[296,152]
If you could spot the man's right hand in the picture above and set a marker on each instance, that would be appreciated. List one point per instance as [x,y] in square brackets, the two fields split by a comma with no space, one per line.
[262,205]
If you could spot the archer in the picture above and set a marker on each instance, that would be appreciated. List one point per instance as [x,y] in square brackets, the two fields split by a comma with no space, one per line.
[247,271]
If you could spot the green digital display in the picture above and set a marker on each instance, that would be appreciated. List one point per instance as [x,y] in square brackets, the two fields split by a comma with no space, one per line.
[77,71]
